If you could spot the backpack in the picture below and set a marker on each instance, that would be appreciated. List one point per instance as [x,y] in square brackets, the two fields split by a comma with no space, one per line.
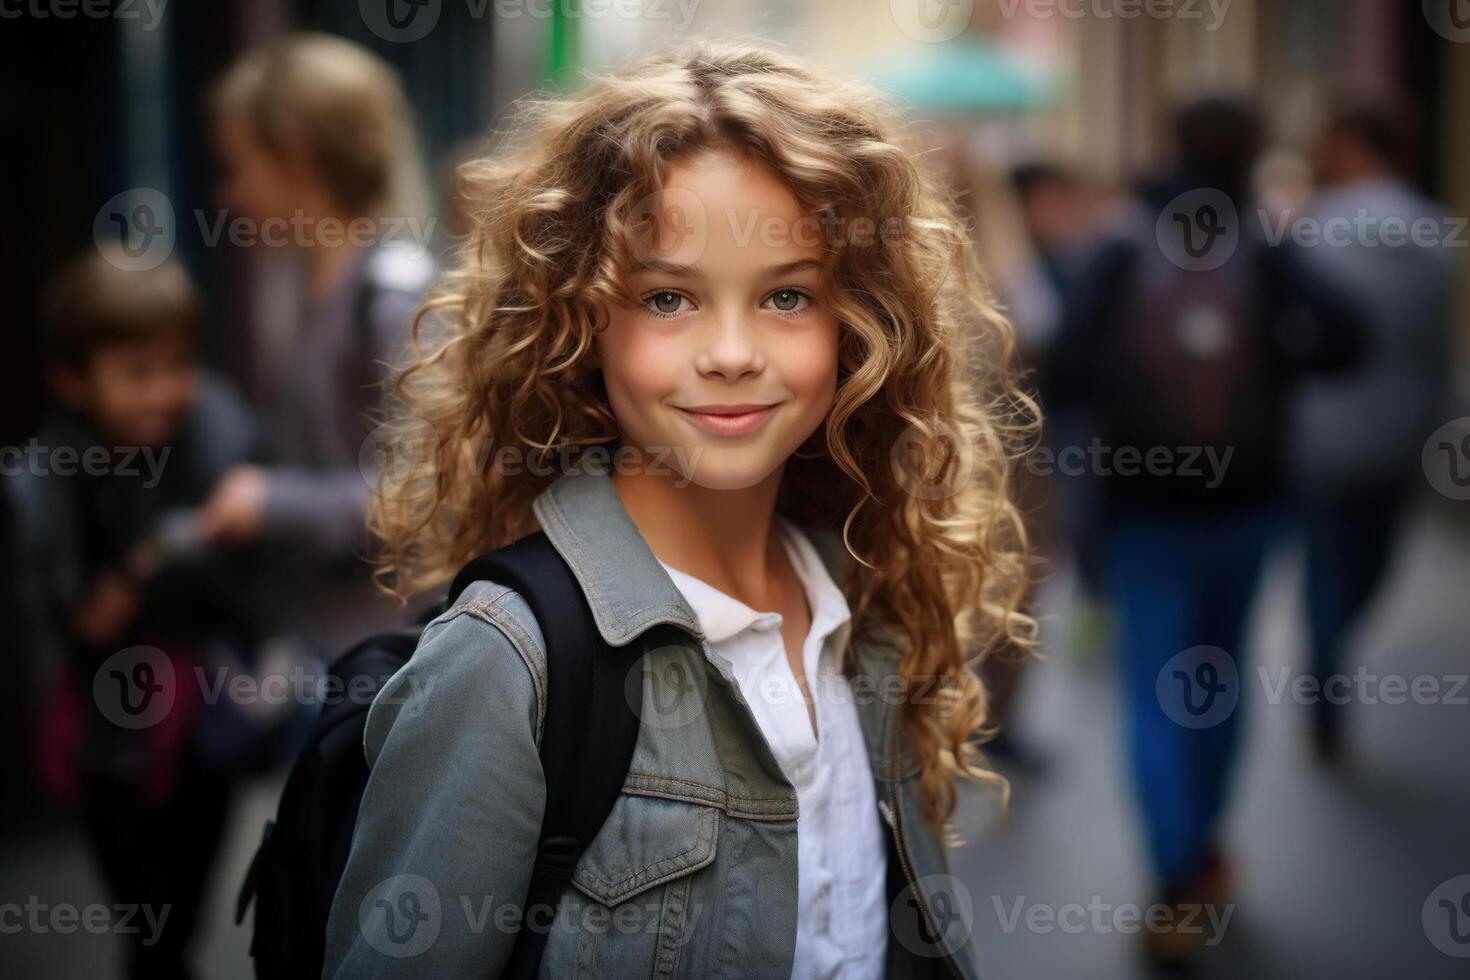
[1191,351]
[588,736]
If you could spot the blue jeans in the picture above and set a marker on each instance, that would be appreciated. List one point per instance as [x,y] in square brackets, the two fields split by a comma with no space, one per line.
[1180,582]
[1348,541]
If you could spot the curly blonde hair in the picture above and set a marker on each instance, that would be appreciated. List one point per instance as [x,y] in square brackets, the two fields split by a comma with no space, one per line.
[928,420]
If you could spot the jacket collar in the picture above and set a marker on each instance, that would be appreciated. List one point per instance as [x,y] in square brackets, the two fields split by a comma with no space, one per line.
[629,591]
[626,587]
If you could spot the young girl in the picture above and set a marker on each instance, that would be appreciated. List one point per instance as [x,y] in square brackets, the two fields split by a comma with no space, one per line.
[720,339]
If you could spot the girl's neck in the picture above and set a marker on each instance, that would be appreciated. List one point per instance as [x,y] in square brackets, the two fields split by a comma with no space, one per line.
[726,538]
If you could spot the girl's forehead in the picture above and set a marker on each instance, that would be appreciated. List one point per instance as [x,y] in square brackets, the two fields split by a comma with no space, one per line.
[727,177]
[720,208]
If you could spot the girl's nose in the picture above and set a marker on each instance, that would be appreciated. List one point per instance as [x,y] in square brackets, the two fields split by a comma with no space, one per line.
[731,350]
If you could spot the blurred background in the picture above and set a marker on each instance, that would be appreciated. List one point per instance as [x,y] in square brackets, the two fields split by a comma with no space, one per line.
[1230,234]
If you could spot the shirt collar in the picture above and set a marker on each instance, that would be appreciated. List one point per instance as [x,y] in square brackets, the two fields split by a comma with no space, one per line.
[723,616]
[720,614]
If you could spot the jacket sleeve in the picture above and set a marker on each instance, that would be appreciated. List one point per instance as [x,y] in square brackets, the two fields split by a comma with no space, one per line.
[1317,326]
[324,509]
[446,835]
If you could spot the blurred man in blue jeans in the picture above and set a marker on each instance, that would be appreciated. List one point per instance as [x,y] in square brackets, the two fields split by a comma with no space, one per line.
[1189,331]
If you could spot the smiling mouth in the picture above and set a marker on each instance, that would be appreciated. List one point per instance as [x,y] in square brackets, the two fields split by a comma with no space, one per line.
[729,420]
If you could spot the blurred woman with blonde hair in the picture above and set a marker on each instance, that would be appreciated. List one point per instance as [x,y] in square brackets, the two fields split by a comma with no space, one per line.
[317,148]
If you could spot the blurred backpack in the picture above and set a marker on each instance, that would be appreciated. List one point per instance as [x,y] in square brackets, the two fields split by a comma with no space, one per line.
[1190,347]
[589,732]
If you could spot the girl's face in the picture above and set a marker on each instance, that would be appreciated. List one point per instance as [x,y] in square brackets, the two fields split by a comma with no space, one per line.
[729,362]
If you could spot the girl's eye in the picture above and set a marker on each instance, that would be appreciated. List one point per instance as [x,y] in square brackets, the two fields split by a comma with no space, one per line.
[790,300]
[665,302]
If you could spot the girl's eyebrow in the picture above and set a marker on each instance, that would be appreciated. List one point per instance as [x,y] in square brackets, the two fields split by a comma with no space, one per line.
[693,269]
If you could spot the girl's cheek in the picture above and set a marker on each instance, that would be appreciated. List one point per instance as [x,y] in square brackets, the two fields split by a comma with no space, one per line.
[809,363]
[640,367]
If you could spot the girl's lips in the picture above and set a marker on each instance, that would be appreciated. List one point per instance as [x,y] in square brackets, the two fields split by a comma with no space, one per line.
[727,423]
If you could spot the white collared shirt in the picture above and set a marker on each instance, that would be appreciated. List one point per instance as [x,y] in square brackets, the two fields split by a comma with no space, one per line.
[842,910]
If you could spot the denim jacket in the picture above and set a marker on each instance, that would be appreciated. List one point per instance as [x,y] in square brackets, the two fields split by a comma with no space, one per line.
[694,874]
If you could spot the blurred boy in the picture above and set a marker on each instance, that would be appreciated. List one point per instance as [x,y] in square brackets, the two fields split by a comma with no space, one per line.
[121,600]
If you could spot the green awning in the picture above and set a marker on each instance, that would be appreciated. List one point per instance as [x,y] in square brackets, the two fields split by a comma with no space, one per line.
[964,77]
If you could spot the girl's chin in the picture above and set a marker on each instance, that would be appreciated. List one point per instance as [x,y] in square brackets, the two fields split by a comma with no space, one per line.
[725,469]
[713,463]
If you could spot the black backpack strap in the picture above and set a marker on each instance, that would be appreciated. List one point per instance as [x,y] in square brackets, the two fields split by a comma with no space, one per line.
[590,728]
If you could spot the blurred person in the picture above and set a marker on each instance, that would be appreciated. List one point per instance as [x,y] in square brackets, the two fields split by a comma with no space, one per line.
[1062,230]
[1058,222]
[1356,437]
[1186,358]
[313,133]
[122,602]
